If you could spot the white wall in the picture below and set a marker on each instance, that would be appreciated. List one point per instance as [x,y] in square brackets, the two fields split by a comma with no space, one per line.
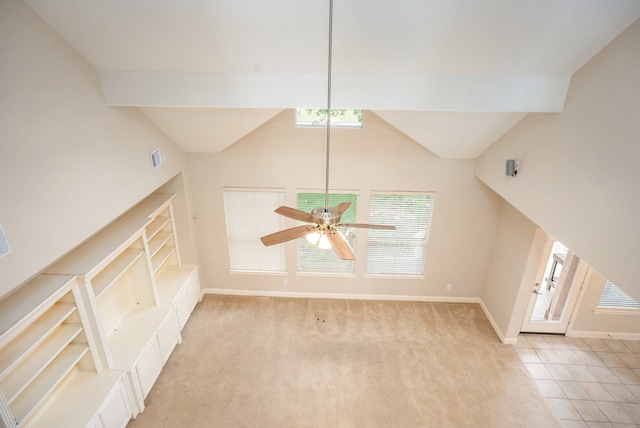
[376,157]
[579,172]
[69,164]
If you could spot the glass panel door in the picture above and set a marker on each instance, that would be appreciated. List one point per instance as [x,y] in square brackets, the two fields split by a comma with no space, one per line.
[553,297]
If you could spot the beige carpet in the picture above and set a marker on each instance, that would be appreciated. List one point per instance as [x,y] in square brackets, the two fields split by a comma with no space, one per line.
[281,362]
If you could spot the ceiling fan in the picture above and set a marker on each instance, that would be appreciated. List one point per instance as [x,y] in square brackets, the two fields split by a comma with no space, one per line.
[322,221]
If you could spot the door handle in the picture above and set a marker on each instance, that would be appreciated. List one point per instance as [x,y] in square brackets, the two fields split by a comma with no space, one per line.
[535,290]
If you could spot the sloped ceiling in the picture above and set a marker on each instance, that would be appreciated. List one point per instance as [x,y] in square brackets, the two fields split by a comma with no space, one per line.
[453,75]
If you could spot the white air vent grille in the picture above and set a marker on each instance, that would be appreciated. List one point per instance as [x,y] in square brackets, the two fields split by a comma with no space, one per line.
[4,245]
[156,158]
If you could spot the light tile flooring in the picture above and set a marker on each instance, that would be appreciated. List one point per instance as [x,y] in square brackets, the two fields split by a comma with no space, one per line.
[587,382]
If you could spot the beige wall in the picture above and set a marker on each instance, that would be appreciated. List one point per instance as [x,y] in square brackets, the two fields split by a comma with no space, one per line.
[376,157]
[516,251]
[588,322]
[579,171]
[69,164]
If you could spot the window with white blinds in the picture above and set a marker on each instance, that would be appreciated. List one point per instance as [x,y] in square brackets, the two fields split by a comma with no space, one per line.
[401,252]
[249,215]
[613,297]
[311,258]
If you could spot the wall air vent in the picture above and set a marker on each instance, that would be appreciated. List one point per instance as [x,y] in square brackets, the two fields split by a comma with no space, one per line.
[156,158]
[4,244]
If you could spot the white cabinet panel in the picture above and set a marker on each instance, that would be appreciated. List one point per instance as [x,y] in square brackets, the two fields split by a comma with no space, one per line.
[149,367]
[116,412]
[168,336]
[183,308]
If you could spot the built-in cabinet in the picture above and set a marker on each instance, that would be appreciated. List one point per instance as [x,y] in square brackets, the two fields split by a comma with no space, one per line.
[83,343]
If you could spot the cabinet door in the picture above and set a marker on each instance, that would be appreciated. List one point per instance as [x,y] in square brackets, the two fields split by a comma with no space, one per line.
[149,366]
[193,289]
[95,423]
[116,412]
[183,308]
[168,336]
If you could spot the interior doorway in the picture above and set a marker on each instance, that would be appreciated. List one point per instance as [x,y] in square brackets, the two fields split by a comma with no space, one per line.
[554,292]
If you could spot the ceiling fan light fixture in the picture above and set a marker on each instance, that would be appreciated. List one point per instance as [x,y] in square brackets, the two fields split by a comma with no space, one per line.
[314,237]
[324,243]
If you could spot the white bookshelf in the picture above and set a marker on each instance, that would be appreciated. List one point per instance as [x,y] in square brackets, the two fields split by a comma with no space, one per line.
[42,345]
[83,343]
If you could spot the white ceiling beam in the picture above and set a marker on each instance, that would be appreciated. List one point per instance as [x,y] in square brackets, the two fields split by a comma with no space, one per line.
[350,90]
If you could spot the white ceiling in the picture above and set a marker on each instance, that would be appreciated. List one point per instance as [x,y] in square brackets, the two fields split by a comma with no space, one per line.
[454,75]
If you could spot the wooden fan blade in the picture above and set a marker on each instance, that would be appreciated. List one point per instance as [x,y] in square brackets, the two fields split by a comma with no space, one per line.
[287,234]
[339,245]
[294,214]
[366,226]
[343,207]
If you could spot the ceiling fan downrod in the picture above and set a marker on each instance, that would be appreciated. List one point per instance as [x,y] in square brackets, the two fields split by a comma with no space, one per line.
[326,187]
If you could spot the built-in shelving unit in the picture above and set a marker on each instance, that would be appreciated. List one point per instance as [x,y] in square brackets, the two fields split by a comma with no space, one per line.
[42,345]
[161,241]
[83,343]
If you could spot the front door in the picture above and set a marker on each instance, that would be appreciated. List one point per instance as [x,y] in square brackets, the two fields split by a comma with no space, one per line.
[554,293]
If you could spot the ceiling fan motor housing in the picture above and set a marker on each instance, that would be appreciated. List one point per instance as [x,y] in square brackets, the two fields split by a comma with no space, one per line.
[326,217]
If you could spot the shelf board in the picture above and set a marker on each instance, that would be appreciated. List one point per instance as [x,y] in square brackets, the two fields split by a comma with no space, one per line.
[134,332]
[161,256]
[24,374]
[156,225]
[39,330]
[87,259]
[25,303]
[154,204]
[45,384]
[172,280]
[114,270]
[160,239]
[77,402]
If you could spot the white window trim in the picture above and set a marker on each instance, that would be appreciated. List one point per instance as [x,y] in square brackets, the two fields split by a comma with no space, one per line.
[600,310]
[393,276]
[612,309]
[323,124]
[252,190]
[432,194]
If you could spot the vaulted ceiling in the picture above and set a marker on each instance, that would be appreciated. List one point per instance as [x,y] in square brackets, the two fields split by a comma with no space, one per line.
[454,75]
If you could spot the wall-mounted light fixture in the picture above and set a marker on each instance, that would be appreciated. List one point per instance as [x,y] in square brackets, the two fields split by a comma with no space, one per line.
[512,166]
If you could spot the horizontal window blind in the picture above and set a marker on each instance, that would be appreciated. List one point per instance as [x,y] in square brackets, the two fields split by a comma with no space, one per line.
[613,297]
[249,215]
[314,259]
[399,252]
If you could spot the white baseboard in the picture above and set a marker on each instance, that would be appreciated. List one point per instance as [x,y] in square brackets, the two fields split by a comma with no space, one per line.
[346,296]
[505,340]
[603,335]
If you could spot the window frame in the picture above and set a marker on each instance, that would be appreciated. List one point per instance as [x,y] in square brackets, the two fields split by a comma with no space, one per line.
[331,273]
[323,122]
[425,246]
[277,219]
[613,309]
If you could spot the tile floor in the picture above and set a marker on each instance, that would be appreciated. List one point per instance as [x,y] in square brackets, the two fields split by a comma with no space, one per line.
[587,382]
